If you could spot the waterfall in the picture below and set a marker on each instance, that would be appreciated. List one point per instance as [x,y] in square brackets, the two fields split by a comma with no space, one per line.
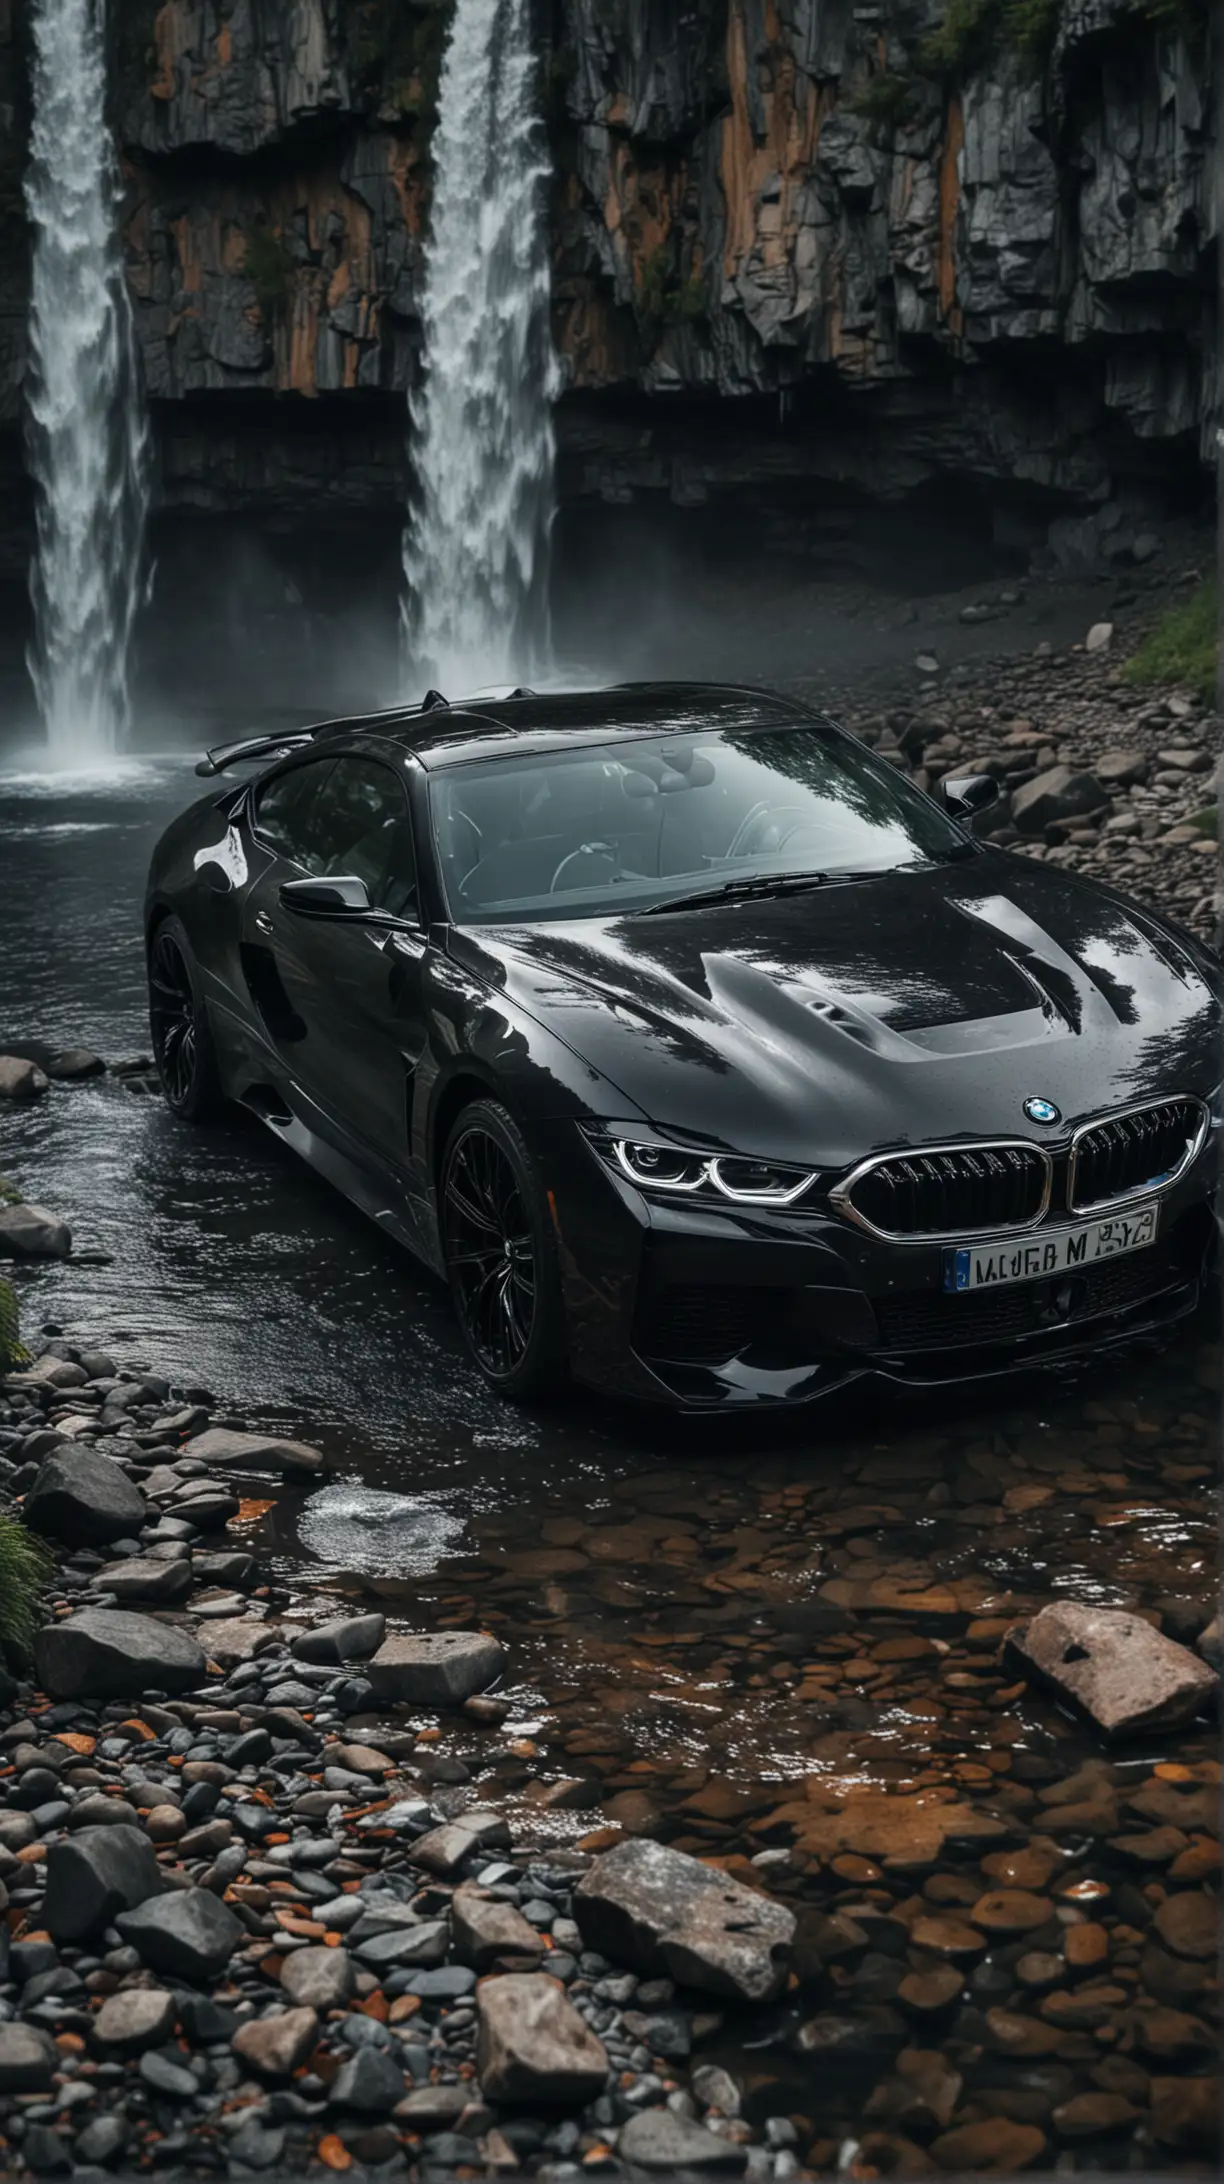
[87,436]
[476,544]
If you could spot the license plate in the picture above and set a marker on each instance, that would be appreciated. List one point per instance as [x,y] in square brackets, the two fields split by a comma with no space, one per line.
[1061,1251]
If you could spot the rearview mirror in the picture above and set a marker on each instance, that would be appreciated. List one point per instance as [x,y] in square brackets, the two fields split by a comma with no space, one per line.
[968,795]
[339,895]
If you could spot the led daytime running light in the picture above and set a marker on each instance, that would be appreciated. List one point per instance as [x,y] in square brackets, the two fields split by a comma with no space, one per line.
[705,1171]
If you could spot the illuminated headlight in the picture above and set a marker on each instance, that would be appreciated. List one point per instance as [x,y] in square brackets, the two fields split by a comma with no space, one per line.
[669,1171]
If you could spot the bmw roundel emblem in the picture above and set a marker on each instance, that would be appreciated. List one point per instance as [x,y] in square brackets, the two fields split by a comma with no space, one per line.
[1039,1110]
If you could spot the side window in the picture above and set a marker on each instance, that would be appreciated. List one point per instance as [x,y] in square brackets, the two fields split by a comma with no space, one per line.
[287,811]
[364,828]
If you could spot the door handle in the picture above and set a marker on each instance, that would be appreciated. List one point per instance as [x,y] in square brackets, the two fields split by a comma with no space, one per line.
[263,923]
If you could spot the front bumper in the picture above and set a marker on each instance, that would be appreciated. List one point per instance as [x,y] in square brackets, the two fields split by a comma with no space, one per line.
[711,1309]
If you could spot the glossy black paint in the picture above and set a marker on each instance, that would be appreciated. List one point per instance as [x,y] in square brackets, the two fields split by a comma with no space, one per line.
[914,1008]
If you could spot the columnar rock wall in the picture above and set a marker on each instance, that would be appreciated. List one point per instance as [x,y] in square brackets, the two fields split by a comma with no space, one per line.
[968,241]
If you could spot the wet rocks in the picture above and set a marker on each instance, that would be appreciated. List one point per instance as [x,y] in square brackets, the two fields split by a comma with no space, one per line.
[657,2139]
[1127,1677]
[20,1080]
[445,1849]
[349,1638]
[318,1979]
[275,2044]
[219,1446]
[84,1498]
[533,2046]
[139,1577]
[664,1912]
[114,1653]
[1056,794]
[32,1232]
[435,1668]
[95,1874]
[485,1929]
[28,2057]
[189,1934]
[135,2019]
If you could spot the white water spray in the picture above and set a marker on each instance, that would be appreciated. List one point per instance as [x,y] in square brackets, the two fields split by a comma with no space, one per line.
[87,435]
[476,546]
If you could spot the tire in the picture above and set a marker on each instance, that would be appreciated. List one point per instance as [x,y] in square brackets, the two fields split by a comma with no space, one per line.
[178,1026]
[500,1251]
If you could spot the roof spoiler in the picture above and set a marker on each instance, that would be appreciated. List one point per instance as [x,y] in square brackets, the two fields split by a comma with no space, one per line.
[285,740]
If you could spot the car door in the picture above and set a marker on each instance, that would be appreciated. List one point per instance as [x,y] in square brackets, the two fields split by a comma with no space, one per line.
[350,991]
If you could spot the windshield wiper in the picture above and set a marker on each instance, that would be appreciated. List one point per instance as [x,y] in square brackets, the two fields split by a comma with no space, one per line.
[764,884]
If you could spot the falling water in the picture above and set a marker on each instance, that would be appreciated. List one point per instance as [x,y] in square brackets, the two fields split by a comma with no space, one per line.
[87,435]
[476,546]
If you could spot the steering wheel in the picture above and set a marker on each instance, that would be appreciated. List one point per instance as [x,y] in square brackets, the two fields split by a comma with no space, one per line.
[741,844]
[585,849]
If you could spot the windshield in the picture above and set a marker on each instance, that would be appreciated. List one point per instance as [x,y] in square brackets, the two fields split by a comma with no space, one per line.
[626,826]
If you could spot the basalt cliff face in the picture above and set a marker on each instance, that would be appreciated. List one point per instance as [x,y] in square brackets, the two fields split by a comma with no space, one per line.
[817,245]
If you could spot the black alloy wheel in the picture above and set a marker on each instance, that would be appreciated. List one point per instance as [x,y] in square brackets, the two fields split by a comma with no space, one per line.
[499,1252]
[182,1043]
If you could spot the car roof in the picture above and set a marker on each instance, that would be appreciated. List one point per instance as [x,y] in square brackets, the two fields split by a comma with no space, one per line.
[446,734]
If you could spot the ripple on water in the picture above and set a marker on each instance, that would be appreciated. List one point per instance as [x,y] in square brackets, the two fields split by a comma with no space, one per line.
[361,1530]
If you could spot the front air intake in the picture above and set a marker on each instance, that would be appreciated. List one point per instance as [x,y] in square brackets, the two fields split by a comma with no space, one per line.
[1125,1155]
[953,1191]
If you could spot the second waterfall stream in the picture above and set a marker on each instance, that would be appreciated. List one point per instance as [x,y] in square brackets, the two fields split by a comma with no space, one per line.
[476,545]
[87,432]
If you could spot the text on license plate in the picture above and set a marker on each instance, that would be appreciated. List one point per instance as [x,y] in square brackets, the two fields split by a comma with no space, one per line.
[986,1265]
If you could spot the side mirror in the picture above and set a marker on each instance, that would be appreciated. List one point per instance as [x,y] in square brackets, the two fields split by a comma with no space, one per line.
[968,795]
[339,895]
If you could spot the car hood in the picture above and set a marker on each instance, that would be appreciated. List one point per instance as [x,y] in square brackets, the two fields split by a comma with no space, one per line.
[896,1010]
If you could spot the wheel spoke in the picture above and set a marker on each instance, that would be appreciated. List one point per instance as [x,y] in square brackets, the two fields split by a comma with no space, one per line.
[490,1252]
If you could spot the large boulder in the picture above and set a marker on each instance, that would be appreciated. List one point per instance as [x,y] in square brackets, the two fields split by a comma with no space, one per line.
[1056,794]
[435,1668]
[113,1653]
[189,1934]
[94,1874]
[533,2046]
[31,1232]
[666,1914]
[1125,1676]
[252,1451]
[84,1499]
[19,1079]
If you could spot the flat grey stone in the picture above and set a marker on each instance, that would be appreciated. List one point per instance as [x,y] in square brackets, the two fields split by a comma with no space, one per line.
[657,2139]
[423,1944]
[435,1668]
[115,1653]
[252,1451]
[143,1577]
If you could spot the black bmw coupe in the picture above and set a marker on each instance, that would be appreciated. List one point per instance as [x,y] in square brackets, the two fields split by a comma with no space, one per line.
[705,1057]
